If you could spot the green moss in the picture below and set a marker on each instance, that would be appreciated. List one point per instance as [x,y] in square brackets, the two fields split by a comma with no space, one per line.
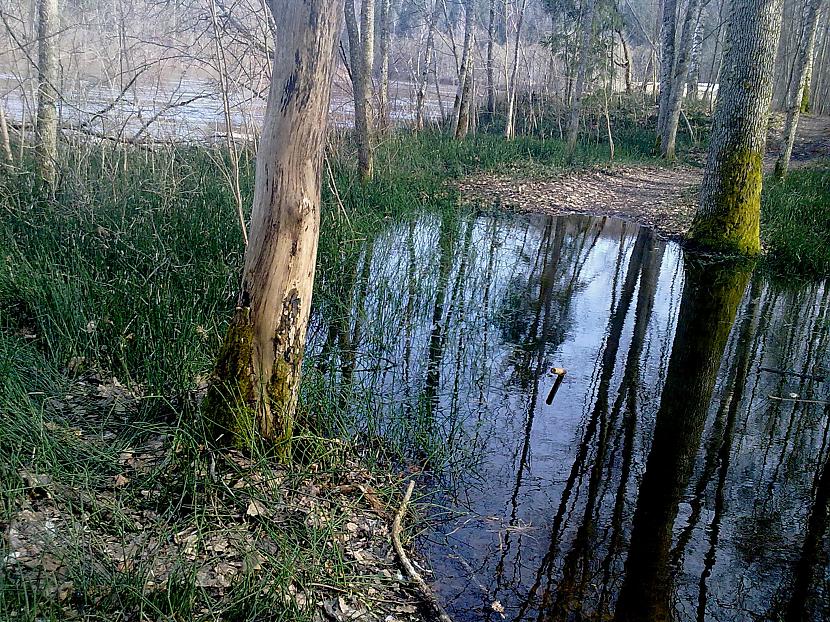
[229,407]
[733,226]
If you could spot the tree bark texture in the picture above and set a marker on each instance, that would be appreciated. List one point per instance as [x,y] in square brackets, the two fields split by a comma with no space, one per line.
[678,83]
[257,375]
[729,211]
[512,88]
[694,60]
[46,139]
[668,36]
[384,112]
[803,58]
[420,97]
[581,76]
[465,73]
[491,72]
[362,55]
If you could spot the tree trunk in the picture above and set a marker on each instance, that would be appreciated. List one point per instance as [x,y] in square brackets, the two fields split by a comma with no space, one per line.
[729,212]
[681,72]
[257,375]
[464,71]
[626,60]
[581,76]
[46,139]
[4,137]
[800,80]
[510,120]
[667,57]
[384,113]
[422,83]
[362,54]
[694,60]
[491,73]
[463,125]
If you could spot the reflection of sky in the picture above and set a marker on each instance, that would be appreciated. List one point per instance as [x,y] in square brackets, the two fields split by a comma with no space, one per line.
[493,375]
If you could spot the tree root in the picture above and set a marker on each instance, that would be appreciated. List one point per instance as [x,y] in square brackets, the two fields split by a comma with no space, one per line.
[413,575]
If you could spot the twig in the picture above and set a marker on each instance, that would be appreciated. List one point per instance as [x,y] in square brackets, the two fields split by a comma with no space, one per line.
[797,399]
[784,372]
[413,575]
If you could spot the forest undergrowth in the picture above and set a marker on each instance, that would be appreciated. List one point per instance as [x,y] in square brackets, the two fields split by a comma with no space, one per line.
[114,297]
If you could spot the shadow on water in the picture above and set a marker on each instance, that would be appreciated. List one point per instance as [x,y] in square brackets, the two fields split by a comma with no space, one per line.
[682,471]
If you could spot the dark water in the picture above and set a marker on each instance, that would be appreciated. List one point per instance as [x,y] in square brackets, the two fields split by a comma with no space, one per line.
[682,471]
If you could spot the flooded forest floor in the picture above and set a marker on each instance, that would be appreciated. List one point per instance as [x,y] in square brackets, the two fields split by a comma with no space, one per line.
[662,197]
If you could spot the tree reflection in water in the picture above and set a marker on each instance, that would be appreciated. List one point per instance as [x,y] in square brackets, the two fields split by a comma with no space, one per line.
[663,483]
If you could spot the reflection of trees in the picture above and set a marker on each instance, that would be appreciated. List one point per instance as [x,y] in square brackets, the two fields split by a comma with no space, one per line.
[557,604]
[710,300]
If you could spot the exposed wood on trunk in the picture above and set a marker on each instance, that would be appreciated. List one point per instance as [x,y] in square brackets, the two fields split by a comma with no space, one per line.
[257,376]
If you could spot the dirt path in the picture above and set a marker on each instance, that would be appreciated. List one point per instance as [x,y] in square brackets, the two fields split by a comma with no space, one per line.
[662,197]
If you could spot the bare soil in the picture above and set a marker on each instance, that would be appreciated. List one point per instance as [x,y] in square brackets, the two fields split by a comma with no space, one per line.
[661,197]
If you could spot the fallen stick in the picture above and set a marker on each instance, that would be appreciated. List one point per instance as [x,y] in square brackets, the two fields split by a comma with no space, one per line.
[796,399]
[784,372]
[413,575]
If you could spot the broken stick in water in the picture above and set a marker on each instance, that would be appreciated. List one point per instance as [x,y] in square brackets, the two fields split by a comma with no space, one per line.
[413,575]
[560,374]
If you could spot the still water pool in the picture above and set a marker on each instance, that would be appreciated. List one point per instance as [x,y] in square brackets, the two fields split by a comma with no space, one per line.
[681,470]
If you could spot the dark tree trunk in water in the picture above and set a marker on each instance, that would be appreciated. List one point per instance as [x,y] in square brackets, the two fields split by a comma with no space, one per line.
[729,212]
[711,296]
[257,376]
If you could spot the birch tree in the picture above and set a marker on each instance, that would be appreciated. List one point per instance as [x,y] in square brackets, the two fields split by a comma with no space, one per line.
[420,95]
[729,211]
[257,375]
[803,59]
[668,37]
[46,139]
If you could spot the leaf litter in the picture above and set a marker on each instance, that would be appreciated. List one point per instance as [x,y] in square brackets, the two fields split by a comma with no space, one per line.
[247,525]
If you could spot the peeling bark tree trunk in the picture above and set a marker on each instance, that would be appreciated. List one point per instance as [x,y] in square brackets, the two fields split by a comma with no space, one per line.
[257,375]
[681,72]
[46,140]
[581,77]
[422,83]
[729,212]
[362,55]
[800,82]
[512,89]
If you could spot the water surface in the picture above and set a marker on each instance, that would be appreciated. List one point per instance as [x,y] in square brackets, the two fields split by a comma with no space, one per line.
[681,471]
